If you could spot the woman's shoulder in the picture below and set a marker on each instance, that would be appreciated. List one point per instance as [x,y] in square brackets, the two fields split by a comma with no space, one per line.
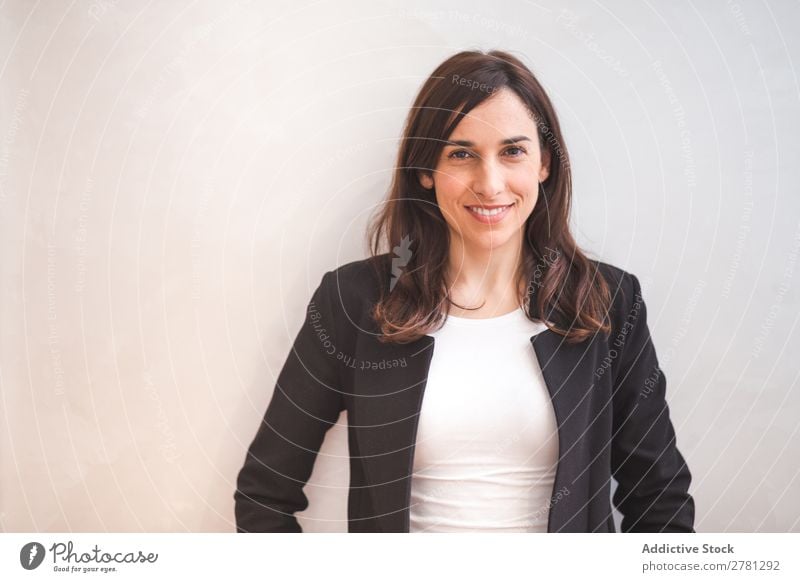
[623,286]
[361,280]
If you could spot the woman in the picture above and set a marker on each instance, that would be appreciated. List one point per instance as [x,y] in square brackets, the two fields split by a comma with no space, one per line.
[539,377]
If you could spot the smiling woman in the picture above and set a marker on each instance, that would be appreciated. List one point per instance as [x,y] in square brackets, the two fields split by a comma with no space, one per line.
[526,379]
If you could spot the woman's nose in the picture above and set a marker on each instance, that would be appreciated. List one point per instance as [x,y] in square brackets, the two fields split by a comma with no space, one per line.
[488,180]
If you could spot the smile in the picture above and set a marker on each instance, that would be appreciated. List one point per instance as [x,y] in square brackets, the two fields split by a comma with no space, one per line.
[489,215]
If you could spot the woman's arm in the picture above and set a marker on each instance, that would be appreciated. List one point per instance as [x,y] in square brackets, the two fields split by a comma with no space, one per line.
[305,404]
[653,478]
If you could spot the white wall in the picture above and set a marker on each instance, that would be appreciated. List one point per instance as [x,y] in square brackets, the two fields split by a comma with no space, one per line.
[177,176]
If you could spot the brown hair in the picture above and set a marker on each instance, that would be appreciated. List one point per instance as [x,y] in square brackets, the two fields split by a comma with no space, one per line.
[563,281]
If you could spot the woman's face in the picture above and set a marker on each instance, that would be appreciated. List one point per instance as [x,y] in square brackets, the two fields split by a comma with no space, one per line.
[491,161]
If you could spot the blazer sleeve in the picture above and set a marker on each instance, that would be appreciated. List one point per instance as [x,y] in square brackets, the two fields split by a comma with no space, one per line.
[305,403]
[652,475]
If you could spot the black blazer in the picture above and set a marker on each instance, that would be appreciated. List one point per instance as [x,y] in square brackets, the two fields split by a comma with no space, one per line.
[608,394]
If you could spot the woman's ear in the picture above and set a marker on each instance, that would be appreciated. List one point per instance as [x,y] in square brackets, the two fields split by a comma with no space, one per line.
[544,168]
[426,180]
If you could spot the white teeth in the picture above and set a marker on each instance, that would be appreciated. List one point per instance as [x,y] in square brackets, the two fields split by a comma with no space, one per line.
[484,212]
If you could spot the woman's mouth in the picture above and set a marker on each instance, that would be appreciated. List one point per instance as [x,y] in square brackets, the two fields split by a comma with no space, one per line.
[489,214]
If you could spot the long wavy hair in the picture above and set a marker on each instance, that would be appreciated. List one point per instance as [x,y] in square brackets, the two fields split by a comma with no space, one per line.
[563,288]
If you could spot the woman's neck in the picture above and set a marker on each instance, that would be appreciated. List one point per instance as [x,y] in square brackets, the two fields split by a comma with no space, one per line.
[485,278]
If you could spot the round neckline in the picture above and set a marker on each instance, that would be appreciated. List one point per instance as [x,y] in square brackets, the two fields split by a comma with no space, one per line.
[511,315]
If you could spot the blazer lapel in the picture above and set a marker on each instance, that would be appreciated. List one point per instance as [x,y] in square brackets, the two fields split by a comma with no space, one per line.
[568,371]
[388,385]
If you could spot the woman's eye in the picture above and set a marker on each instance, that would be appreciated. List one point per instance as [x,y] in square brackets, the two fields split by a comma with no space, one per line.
[515,151]
[456,155]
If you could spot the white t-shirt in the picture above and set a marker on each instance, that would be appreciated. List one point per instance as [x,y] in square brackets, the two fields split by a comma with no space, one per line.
[487,442]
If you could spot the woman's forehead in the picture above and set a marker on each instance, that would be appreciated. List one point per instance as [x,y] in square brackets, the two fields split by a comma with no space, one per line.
[496,120]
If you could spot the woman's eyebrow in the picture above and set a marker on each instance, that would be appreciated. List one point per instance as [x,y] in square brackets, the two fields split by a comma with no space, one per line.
[468,144]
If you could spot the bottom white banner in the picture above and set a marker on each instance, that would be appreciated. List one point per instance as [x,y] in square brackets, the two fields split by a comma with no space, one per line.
[479,556]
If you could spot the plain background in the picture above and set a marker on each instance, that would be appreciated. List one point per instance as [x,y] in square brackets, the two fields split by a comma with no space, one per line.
[177,176]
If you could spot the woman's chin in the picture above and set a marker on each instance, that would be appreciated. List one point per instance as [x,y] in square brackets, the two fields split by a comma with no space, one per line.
[487,242]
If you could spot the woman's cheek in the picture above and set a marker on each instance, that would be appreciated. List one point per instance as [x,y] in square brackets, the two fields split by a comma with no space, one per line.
[450,187]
